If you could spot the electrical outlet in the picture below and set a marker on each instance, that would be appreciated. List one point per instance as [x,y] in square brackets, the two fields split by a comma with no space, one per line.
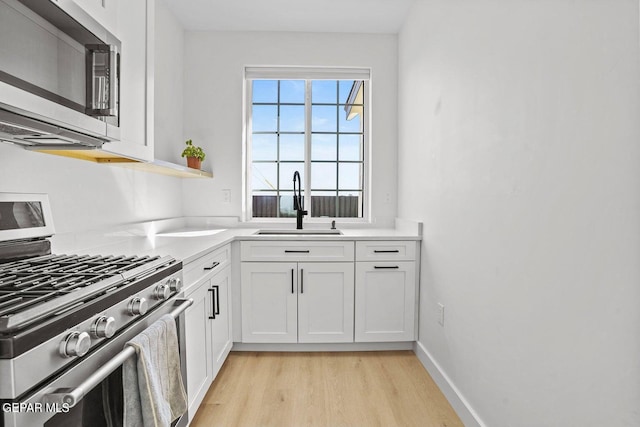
[440,314]
[226,196]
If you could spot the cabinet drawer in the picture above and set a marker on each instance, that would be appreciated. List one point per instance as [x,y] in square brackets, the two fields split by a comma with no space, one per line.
[386,250]
[196,270]
[296,251]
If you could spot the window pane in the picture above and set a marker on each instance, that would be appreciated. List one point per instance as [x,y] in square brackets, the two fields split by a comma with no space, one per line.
[264,176]
[286,175]
[264,204]
[323,203]
[323,176]
[265,118]
[323,118]
[286,205]
[350,147]
[323,147]
[324,91]
[265,91]
[292,147]
[353,125]
[350,204]
[292,118]
[345,90]
[349,176]
[264,147]
[292,91]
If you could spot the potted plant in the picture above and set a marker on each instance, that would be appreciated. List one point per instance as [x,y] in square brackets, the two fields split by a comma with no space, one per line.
[194,155]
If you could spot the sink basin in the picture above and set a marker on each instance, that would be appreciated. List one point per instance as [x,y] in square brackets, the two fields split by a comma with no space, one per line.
[299,232]
[191,233]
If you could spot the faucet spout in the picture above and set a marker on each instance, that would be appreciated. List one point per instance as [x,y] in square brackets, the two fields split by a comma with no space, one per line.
[298,202]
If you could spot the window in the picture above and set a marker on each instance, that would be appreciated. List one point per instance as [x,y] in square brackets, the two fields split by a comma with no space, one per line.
[313,123]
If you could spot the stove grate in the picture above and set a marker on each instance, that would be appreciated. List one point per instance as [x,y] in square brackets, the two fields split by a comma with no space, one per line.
[25,284]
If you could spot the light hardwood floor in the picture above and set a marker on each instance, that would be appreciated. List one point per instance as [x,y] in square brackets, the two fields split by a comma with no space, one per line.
[324,389]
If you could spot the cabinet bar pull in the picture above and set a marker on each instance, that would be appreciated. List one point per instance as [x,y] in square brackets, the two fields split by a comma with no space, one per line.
[212,266]
[287,251]
[213,304]
[217,294]
[292,291]
[387,267]
[386,251]
[302,281]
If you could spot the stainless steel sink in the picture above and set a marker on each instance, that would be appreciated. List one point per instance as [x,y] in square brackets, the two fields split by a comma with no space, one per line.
[299,232]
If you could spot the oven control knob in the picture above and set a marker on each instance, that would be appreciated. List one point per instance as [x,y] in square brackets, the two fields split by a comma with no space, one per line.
[138,306]
[176,284]
[75,344]
[103,327]
[162,292]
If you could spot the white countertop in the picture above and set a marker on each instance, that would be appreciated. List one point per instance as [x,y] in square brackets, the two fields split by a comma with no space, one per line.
[193,239]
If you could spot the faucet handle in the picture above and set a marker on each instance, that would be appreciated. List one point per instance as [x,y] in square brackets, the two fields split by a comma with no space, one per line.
[333,224]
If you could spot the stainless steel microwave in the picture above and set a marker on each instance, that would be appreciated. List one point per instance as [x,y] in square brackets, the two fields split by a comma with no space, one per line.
[60,67]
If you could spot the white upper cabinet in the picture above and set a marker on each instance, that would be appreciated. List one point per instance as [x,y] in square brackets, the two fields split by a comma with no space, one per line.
[103,11]
[135,31]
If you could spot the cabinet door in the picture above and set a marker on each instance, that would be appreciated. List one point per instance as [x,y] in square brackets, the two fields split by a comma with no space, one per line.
[198,345]
[269,302]
[221,338]
[103,11]
[135,25]
[385,301]
[325,302]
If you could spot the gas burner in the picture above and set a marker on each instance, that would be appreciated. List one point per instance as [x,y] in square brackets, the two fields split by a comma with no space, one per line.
[35,289]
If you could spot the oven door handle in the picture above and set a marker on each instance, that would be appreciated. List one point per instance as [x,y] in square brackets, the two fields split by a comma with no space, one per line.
[71,396]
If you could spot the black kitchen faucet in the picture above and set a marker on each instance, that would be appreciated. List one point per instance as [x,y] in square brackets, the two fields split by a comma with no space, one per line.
[298,203]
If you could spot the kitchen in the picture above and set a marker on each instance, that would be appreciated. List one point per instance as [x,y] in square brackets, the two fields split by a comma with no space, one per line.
[508,129]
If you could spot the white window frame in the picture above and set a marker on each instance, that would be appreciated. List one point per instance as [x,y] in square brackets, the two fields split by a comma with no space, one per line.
[305,73]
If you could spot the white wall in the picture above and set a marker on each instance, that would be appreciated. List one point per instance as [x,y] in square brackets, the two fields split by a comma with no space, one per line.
[519,149]
[214,63]
[169,88]
[86,195]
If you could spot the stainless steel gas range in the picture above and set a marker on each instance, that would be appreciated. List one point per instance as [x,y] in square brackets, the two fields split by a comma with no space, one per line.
[65,319]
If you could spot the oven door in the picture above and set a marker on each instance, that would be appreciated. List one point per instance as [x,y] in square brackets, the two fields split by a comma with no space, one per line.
[90,392]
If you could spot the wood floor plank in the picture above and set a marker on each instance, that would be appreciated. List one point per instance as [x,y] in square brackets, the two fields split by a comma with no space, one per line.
[369,389]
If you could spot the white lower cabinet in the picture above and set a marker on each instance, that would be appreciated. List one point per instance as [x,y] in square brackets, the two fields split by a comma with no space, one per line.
[325,302]
[289,302]
[198,347]
[208,333]
[221,336]
[385,301]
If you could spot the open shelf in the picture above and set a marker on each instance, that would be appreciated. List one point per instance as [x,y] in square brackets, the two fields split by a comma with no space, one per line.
[164,168]
[157,166]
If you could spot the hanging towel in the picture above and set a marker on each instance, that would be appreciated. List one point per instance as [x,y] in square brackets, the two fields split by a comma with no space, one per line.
[154,394]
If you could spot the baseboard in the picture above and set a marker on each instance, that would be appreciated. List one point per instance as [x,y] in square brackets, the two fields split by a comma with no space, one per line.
[462,407]
[404,345]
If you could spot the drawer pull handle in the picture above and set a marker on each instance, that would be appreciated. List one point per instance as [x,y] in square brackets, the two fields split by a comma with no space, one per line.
[287,251]
[292,290]
[386,251]
[386,267]
[212,266]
